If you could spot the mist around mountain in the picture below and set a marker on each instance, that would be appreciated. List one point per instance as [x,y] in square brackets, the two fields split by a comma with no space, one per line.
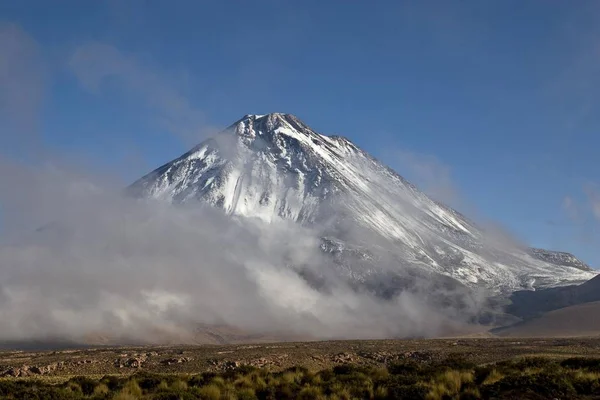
[267,229]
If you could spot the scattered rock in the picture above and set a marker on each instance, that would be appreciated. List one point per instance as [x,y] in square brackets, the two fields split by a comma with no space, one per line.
[274,361]
[224,365]
[27,370]
[82,362]
[132,362]
[383,357]
[43,370]
[135,362]
[180,360]
[17,371]
[420,356]
[342,358]
[317,358]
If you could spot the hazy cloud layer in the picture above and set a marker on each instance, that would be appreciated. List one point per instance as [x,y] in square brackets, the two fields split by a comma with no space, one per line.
[102,263]
[97,65]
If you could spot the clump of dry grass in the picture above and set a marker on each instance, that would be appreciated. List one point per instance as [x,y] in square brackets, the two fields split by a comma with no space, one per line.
[310,393]
[449,384]
[179,385]
[130,391]
[125,396]
[381,393]
[493,377]
[101,389]
[210,392]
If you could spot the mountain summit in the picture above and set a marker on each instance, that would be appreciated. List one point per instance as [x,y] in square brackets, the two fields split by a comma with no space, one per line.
[275,167]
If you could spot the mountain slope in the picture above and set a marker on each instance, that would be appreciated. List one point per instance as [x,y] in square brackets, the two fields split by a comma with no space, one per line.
[274,167]
[573,321]
[528,304]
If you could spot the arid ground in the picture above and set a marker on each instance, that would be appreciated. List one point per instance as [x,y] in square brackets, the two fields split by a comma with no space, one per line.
[279,356]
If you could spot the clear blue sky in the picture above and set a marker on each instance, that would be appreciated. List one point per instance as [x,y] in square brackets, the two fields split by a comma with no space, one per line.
[496,101]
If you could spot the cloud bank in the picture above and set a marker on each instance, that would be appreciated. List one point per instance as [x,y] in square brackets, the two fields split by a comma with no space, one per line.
[105,264]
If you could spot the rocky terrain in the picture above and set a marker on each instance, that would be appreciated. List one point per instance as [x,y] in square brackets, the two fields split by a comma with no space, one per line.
[279,356]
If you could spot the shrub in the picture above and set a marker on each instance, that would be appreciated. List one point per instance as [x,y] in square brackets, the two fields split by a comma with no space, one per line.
[125,396]
[344,369]
[593,364]
[470,393]
[408,392]
[133,388]
[449,384]
[101,389]
[245,370]
[85,385]
[544,385]
[218,381]
[310,393]
[113,382]
[457,362]
[292,377]
[379,374]
[210,392]
[585,382]
[405,368]
[381,393]
[246,394]
[147,381]
[179,385]
[493,377]
[73,387]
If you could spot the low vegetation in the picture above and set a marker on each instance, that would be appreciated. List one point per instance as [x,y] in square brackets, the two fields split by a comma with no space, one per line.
[451,378]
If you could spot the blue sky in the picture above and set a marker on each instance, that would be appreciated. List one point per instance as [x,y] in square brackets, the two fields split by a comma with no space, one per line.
[491,106]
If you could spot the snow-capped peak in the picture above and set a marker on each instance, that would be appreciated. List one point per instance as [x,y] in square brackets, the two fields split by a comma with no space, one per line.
[275,166]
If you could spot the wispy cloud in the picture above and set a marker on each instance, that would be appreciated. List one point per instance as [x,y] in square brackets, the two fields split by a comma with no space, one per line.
[432,175]
[22,86]
[592,192]
[583,211]
[97,64]
[570,206]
